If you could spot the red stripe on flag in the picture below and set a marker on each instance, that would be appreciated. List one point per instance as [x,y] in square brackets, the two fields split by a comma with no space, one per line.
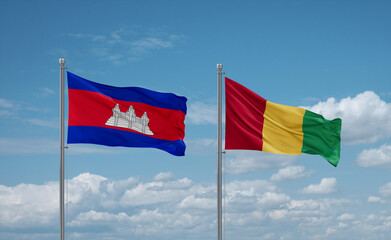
[244,117]
[88,108]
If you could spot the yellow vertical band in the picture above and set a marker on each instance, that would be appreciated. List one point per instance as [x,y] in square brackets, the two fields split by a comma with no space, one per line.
[282,129]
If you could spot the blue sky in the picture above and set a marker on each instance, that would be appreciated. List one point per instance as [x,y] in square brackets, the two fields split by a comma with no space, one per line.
[332,57]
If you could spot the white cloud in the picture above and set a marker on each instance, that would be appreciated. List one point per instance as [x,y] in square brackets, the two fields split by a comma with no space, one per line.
[202,113]
[192,202]
[13,110]
[164,176]
[156,192]
[83,185]
[44,92]
[326,186]
[246,196]
[290,173]
[271,200]
[126,44]
[150,43]
[375,157]
[160,224]
[374,199]
[180,209]
[365,118]
[8,108]
[146,208]
[250,187]
[4,103]
[98,218]
[6,113]
[278,214]
[28,205]
[48,91]
[346,217]
[43,123]
[321,207]
[385,190]
[239,162]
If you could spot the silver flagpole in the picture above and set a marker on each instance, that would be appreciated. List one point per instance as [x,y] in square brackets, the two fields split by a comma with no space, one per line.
[219,153]
[62,223]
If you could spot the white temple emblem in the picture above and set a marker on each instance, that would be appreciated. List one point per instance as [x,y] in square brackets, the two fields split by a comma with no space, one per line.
[129,120]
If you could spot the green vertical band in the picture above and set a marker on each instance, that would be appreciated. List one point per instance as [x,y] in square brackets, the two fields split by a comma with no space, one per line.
[322,136]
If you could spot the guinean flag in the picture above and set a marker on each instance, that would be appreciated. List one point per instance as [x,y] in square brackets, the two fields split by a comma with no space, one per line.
[125,116]
[253,123]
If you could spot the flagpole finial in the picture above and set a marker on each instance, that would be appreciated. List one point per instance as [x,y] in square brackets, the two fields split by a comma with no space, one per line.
[219,66]
[61,61]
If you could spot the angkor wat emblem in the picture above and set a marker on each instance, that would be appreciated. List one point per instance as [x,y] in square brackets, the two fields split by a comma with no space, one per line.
[129,120]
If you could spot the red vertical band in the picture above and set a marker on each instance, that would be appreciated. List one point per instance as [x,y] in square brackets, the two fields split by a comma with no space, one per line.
[244,117]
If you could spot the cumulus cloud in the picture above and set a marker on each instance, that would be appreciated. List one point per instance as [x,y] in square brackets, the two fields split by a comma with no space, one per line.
[198,202]
[145,204]
[28,205]
[155,192]
[290,173]
[245,196]
[144,223]
[326,186]
[365,109]
[129,206]
[164,176]
[270,200]
[375,157]
[311,207]
[170,208]
[83,187]
[97,218]
[250,187]
[239,162]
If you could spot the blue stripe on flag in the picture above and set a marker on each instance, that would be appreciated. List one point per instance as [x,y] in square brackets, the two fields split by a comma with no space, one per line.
[115,137]
[131,94]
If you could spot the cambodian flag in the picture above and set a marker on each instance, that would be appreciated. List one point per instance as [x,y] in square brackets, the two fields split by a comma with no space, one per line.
[125,116]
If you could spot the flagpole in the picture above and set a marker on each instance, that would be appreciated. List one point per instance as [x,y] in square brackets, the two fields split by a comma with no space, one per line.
[219,152]
[62,222]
